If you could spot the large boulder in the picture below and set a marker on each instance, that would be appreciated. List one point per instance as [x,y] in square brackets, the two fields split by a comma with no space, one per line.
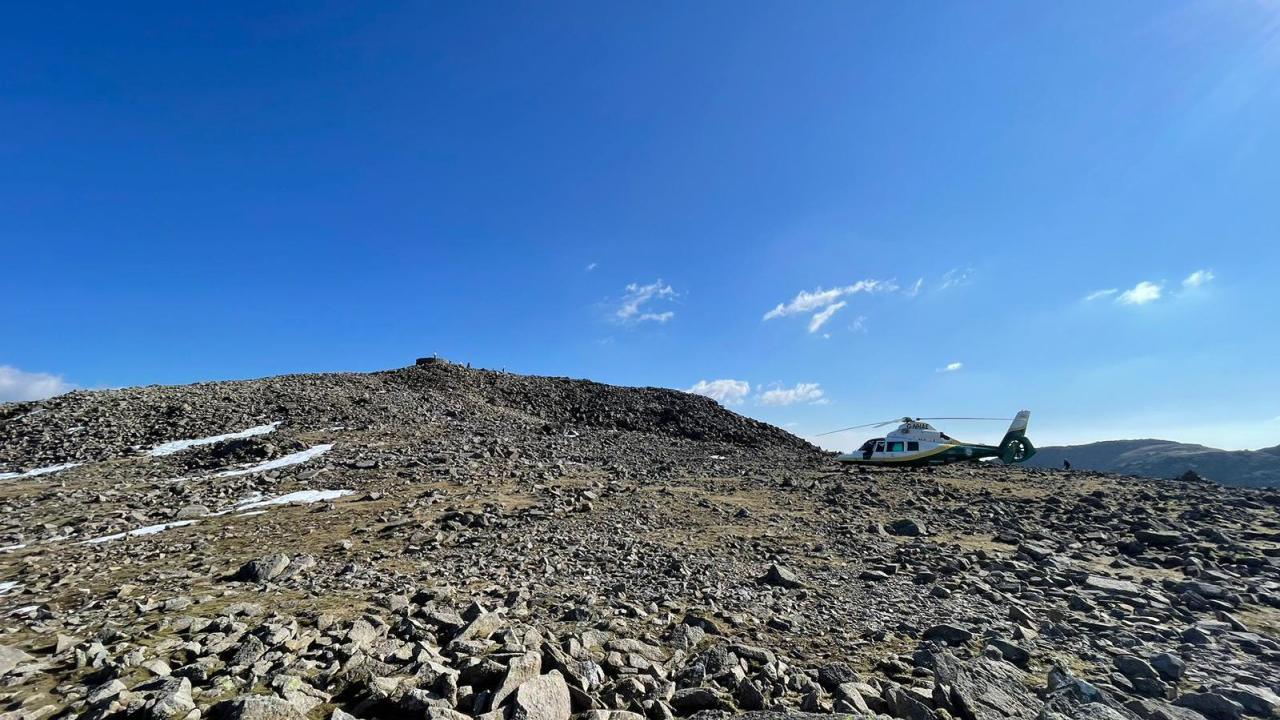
[257,707]
[545,697]
[982,689]
[264,568]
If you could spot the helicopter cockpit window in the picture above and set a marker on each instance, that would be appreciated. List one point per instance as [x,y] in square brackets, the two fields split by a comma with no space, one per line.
[895,446]
[912,446]
[868,445]
[880,446]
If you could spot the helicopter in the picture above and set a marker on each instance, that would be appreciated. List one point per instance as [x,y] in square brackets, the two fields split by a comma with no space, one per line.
[915,442]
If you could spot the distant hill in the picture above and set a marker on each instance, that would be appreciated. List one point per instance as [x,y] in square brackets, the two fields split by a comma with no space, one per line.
[1167,459]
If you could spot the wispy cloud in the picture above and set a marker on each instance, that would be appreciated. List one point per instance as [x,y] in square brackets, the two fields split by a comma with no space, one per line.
[592,266]
[1197,278]
[1149,291]
[859,324]
[955,277]
[633,308]
[914,290]
[18,385]
[823,304]
[1140,294]
[724,391]
[809,393]
[819,319]
[951,367]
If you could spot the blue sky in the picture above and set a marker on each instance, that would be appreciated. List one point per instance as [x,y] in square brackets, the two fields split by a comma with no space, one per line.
[856,210]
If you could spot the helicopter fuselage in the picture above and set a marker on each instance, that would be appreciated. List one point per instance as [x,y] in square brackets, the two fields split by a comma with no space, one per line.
[885,452]
[916,443]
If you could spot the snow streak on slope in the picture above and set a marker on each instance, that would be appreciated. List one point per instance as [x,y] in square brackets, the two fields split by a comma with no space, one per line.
[301,496]
[175,446]
[285,461]
[148,530]
[39,471]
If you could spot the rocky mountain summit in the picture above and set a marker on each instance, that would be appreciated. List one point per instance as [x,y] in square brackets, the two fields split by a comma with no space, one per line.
[438,542]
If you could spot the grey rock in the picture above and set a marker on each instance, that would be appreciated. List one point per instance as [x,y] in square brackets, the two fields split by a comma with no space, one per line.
[168,698]
[908,527]
[950,634]
[1170,667]
[12,657]
[1159,538]
[264,568]
[520,669]
[1255,700]
[984,689]
[1010,651]
[1212,705]
[543,698]
[257,707]
[696,699]
[780,576]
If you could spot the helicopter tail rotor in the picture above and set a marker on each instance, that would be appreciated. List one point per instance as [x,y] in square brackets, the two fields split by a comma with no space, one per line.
[1016,450]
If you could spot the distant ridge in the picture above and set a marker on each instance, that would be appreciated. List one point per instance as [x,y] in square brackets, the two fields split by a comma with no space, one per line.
[1168,459]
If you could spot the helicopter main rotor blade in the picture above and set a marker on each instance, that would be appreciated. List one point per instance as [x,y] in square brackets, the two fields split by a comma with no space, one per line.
[856,427]
[963,418]
[898,420]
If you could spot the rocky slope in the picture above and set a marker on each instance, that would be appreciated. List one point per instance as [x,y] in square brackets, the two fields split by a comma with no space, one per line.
[1166,459]
[438,542]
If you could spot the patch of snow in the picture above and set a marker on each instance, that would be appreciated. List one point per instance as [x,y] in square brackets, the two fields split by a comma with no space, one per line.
[11,548]
[251,513]
[301,496]
[285,461]
[39,471]
[148,530]
[8,585]
[176,446]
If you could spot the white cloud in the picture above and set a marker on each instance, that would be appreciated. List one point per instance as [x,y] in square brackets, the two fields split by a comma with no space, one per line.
[802,393]
[859,324]
[724,391]
[825,303]
[1099,294]
[915,288]
[955,277]
[951,367]
[1197,278]
[17,385]
[819,319]
[637,296]
[592,266]
[1140,294]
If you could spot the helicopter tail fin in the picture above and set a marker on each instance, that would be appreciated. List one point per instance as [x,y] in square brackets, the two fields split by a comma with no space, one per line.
[1016,446]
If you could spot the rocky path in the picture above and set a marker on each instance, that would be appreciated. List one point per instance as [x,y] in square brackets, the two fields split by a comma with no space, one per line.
[479,544]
